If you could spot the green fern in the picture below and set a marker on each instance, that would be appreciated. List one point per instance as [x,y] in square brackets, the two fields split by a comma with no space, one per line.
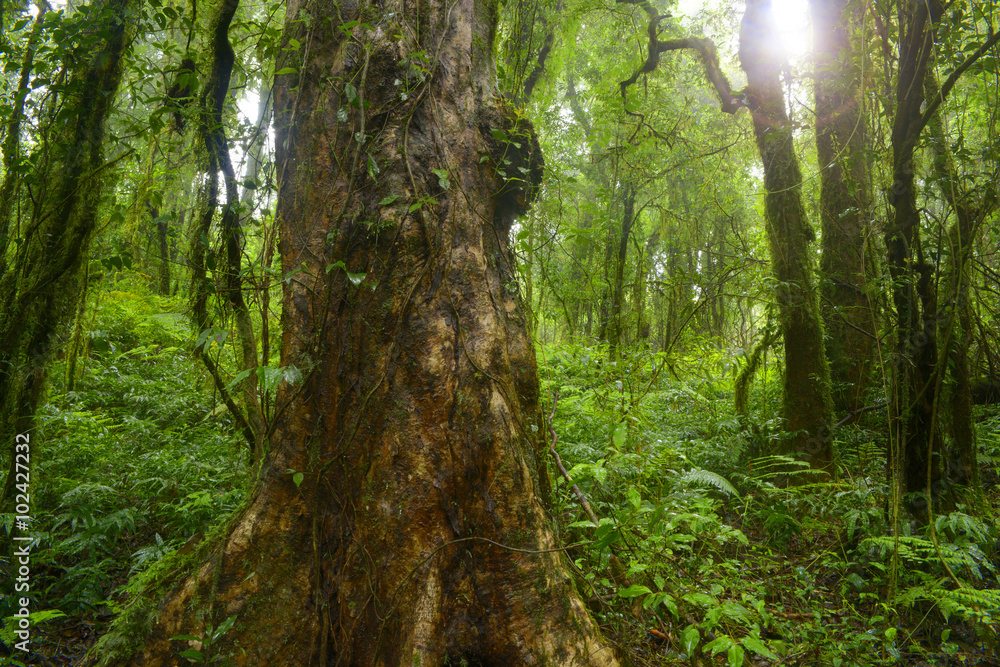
[700,477]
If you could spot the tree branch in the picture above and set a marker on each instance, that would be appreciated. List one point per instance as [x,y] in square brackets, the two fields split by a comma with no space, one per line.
[706,53]
[932,105]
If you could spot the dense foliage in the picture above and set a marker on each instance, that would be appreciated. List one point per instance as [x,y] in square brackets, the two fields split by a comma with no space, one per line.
[706,518]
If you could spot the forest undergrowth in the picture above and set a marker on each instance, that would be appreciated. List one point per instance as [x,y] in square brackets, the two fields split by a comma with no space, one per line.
[710,549]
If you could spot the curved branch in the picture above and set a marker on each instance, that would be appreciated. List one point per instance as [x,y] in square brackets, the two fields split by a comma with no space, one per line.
[706,53]
[946,88]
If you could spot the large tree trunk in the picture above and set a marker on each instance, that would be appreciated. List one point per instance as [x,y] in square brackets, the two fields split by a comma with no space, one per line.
[807,404]
[416,535]
[845,204]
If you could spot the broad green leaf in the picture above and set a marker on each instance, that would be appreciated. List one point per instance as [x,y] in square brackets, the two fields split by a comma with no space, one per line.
[718,645]
[634,498]
[690,638]
[442,175]
[286,70]
[297,478]
[700,599]
[633,591]
[605,536]
[388,200]
[619,437]
[735,655]
[758,647]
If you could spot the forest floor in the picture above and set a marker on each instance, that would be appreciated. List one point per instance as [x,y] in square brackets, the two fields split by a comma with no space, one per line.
[700,558]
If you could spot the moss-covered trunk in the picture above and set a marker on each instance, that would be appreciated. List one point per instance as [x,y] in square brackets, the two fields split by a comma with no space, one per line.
[397,518]
[847,261]
[971,206]
[807,406]
[38,278]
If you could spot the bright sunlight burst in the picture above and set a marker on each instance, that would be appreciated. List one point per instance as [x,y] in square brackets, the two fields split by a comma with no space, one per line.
[790,16]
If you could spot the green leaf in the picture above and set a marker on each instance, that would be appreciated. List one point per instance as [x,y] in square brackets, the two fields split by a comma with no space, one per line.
[605,536]
[700,599]
[297,478]
[633,591]
[388,200]
[718,645]
[286,70]
[351,92]
[415,207]
[225,626]
[690,638]
[619,437]
[193,655]
[185,638]
[442,175]
[634,498]
[500,135]
[671,606]
[758,647]
[355,278]
[735,655]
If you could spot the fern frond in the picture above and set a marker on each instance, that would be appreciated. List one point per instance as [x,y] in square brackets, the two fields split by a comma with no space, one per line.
[701,477]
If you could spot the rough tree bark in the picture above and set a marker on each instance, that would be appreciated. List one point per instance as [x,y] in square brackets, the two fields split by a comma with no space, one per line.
[807,405]
[414,534]
[845,203]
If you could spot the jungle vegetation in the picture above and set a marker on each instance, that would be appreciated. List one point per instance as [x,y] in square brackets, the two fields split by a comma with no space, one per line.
[478,332]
